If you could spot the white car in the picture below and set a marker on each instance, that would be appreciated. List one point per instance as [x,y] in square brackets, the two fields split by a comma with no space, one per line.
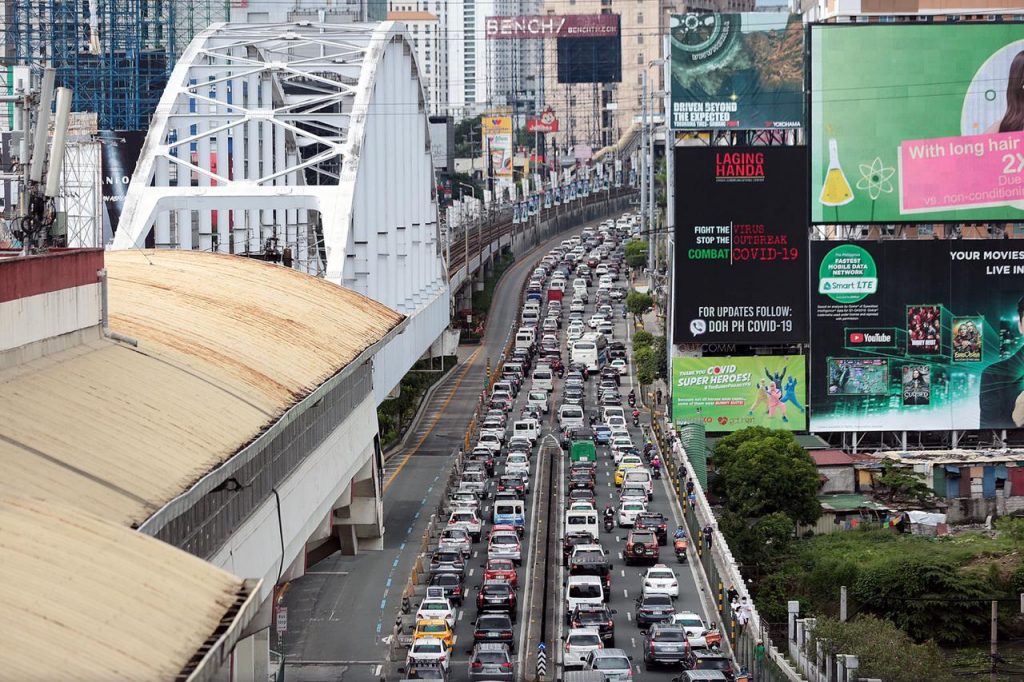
[467,519]
[489,440]
[455,539]
[538,400]
[628,512]
[620,445]
[505,545]
[621,365]
[661,579]
[517,464]
[579,642]
[632,493]
[493,427]
[428,649]
[436,607]
[574,333]
[691,622]
[617,424]
[595,320]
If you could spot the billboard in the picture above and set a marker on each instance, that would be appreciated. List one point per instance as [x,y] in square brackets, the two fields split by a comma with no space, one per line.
[741,71]
[497,133]
[911,123]
[917,335]
[591,59]
[545,123]
[732,393]
[121,151]
[552,26]
[741,245]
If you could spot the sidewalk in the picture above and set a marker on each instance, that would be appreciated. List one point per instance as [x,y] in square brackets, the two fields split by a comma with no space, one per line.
[654,323]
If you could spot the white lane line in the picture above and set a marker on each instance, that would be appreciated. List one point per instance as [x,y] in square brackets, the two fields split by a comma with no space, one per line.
[622,573]
[462,612]
[471,572]
[625,593]
[475,553]
[629,616]
[620,555]
[632,640]
[376,671]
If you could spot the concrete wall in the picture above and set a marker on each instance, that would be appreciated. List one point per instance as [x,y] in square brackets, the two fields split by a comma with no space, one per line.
[976,509]
[840,479]
[531,235]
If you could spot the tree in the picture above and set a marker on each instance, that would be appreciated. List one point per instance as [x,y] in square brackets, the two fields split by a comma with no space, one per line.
[883,650]
[646,364]
[895,484]
[638,303]
[467,138]
[660,347]
[768,473]
[642,339]
[757,543]
[636,253]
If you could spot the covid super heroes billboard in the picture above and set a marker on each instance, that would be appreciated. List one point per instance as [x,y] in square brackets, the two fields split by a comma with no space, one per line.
[917,122]
[741,245]
[917,335]
[728,394]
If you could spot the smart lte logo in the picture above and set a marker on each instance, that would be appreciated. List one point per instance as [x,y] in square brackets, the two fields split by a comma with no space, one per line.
[871,337]
[739,167]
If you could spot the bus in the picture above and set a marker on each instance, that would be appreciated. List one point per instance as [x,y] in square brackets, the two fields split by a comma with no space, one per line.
[592,351]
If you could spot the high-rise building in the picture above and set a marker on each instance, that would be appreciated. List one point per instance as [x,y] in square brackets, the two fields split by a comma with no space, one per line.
[321,11]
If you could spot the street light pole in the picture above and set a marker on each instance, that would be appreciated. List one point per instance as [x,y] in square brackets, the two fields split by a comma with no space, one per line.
[643,164]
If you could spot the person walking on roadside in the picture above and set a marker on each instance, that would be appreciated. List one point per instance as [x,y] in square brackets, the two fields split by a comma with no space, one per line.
[708,533]
[732,595]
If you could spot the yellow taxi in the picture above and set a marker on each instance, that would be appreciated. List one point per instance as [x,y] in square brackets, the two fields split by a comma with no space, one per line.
[626,464]
[434,627]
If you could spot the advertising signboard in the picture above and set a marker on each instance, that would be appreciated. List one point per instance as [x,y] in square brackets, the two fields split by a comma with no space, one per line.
[545,123]
[497,132]
[732,393]
[741,71]
[910,122]
[121,150]
[917,335]
[591,59]
[552,26]
[741,245]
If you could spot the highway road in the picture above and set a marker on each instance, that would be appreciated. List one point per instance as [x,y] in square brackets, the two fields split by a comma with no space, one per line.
[340,610]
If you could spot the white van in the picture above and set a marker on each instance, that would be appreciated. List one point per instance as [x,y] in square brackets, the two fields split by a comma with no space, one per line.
[525,337]
[642,477]
[510,513]
[570,417]
[582,519]
[528,428]
[612,411]
[583,589]
[543,378]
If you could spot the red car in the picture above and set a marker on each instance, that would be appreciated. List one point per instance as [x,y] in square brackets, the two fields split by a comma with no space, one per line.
[501,569]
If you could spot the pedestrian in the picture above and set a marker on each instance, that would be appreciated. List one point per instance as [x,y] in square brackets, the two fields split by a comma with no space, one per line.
[708,533]
[689,487]
[758,660]
[691,498]
[732,594]
[743,613]
[658,394]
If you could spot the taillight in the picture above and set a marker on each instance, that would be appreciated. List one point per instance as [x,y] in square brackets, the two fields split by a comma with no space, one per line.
[506,666]
[477,665]
[652,646]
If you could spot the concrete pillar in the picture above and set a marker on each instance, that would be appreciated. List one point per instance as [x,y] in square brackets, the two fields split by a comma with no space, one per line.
[242,661]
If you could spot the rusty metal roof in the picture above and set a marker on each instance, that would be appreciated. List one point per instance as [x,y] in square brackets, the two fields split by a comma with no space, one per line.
[90,600]
[226,346]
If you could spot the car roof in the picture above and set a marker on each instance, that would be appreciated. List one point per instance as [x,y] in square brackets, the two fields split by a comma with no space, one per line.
[609,653]
[582,631]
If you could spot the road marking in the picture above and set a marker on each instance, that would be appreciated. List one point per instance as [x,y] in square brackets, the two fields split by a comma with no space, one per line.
[471,572]
[623,573]
[437,417]
[462,612]
[326,572]
[632,640]
[625,593]
[629,616]
[376,671]
[475,553]
[394,564]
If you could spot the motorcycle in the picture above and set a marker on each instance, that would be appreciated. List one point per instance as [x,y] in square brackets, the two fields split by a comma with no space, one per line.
[679,546]
[609,524]
[656,473]
[632,400]
[636,420]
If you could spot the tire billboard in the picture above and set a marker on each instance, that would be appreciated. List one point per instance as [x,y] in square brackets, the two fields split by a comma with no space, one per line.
[917,335]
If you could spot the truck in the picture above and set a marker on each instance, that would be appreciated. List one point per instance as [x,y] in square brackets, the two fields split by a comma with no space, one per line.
[582,449]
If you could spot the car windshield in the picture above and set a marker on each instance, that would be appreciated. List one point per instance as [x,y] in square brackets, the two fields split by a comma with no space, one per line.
[611,663]
[670,636]
[658,600]
[496,590]
[690,621]
[646,538]
[584,590]
[661,575]
[432,627]
[539,397]
[493,622]
[499,565]
[433,606]
[585,639]
[713,663]
[504,540]
[492,657]
[428,649]
[633,506]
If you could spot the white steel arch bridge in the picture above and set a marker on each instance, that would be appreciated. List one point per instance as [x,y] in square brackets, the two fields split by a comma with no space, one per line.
[309,143]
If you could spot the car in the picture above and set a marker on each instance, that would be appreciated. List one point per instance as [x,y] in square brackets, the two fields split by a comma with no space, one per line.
[620,470]
[490,661]
[711,660]
[653,608]
[665,643]
[505,545]
[496,595]
[581,479]
[632,493]
[490,440]
[579,642]
[447,562]
[428,650]
[691,622]
[501,569]
[517,464]
[450,584]
[641,477]
[436,607]
[426,670]
[602,434]
[493,426]
[468,520]
[614,664]
[494,627]
[595,320]
[592,560]
[513,482]
[582,495]
[582,589]
[475,482]
[538,400]
[661,579]
[464,499]
[501,401]
[571,540]
[597,616]
[628,512]
[656,521]
[434,628]
[455,539]
[641,545]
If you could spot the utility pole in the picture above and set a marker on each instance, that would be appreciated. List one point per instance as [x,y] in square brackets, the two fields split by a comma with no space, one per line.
[643,161]
[993,640]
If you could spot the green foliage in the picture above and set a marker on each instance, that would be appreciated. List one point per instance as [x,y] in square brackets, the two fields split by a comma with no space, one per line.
[1012,527]
[459,179]
[883,650]
[467,138]
[767,471]
[395,413]
[482,299]
[636,253]
[646,364]
[896,484]
[757,543]
[661,353]
[642,339]
[638,304]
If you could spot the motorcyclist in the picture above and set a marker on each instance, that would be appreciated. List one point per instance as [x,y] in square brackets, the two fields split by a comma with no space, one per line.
[609,513]
[656,462]
[680,533]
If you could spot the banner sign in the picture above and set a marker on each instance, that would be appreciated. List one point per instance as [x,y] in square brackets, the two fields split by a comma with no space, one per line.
[545,123]
[917,335]
[740,71]
[552,26]
[497,133]
[732,393]
[741,241]
[898,138]
[121,151]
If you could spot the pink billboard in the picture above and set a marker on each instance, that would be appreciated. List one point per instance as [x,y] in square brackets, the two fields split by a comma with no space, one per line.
[552,26]
[972,171]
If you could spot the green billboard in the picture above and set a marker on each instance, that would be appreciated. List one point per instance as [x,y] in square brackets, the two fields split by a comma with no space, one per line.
[732,393]
[917,123]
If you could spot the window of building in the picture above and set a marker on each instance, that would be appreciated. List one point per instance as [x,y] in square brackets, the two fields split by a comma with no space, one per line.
[640,17]
[640,58]
[639,38]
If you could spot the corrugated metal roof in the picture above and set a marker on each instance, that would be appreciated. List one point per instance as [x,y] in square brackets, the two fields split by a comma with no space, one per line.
[86,599]
[829,458]
[226,345]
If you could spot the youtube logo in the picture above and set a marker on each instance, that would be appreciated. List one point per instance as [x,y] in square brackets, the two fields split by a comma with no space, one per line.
[871,337]
[856,337]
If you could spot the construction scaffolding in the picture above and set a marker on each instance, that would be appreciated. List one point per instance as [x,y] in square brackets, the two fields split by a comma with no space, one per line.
[116,55]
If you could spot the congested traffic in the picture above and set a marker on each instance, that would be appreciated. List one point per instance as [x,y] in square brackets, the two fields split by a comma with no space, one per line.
[627,604]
